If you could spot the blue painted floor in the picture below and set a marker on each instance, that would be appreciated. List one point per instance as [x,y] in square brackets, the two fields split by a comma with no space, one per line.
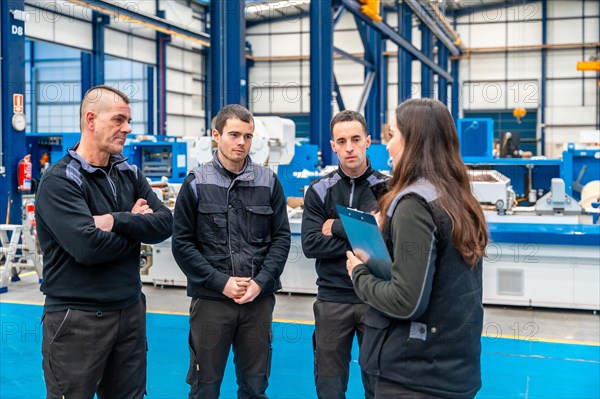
[511,368]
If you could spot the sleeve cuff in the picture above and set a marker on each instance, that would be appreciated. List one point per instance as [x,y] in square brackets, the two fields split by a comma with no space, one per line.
[264,280]
[217,281]
[360,269]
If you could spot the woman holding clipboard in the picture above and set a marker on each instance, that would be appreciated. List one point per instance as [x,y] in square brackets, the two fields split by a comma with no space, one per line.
[424,326]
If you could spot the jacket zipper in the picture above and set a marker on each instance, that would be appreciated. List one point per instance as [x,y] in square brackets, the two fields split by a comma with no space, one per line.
[112,185]
[351,193]
[229,232]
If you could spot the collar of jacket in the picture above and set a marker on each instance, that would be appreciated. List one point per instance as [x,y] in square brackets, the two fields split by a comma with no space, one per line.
[113,160]
[362,177]
[247,172]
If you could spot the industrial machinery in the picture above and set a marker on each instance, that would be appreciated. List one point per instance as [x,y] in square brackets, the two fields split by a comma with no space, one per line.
[492,188]
[544,255]
[158,157]
[48,148]
[273,143]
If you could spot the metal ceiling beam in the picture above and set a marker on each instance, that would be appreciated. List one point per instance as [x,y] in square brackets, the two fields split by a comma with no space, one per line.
[433,26]
[388,32]
[144,19]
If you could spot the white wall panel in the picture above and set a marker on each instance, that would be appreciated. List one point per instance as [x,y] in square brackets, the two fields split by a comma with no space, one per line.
[563,93]
[486,67]
[176,126]
[351,96]
[174,104]
[416,71]
[194,126]
[179,13]
[350,42]
[293,24]
[464,32]
[592,7]
[261,45]
[483,95]
[349,72]
[116,43]
[493,35]
[576,115]
[563,63]
[285,45]
[524,65]
[523,34]
[37,27]
[392,67]
[590,87]
[259,73]
[174,57]
[591,30]
[285,73]
[142,50]
[565,8]
[392,100]
[178,81]
[564,31]
[346,22]
[525,12]
[188,61]
[60,29]
[523,94]
[120,44]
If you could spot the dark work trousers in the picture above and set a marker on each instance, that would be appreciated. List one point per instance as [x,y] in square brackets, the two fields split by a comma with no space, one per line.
[387,389]
[335,326]
[217,325]
[95,352]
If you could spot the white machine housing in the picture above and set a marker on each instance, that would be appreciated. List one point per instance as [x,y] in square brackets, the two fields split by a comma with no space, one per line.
[492,187]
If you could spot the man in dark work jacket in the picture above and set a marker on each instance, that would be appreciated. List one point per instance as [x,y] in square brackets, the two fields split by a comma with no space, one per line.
[338,310]
[231,238]
[93,209]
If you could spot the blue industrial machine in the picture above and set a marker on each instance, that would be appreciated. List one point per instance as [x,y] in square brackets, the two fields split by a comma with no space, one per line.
[47,149]
[165,157]
[579,166]
[301,171]
[476,139]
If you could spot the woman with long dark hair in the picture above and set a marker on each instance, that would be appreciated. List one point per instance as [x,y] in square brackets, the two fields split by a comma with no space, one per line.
[423,337]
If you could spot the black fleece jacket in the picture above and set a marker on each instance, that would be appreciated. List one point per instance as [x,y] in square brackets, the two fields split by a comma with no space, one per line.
[320,202]
[86,268]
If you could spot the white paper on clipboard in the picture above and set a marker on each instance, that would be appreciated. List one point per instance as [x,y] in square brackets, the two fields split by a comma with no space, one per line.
[365,238]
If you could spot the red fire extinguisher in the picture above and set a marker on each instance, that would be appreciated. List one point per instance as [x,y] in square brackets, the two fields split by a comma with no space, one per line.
[24,174]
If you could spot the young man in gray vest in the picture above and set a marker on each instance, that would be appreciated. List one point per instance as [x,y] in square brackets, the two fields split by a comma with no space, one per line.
[338,309]
[231,238]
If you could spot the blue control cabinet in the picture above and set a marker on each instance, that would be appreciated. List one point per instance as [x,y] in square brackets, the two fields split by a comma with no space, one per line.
[159,158]
[476,138]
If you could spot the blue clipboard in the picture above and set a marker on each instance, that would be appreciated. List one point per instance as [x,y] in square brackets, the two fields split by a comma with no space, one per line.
[365,238]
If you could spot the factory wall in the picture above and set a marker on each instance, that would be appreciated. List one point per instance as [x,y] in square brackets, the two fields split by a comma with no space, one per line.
[492,80]
[505,80]
[129,47]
